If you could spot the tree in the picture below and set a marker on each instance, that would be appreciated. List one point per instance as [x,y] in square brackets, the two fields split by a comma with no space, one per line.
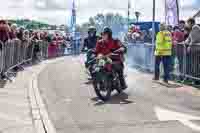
[115,21]
[91,21]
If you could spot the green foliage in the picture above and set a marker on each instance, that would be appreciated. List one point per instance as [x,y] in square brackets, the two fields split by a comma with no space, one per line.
[29,24]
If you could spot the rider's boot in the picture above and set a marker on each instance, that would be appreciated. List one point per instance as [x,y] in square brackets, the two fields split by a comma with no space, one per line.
[123,83]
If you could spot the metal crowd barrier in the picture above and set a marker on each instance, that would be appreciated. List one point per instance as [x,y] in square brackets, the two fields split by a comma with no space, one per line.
[187,62]
[42,49]
[1,57]
[14,53]
[141,55]
[61,49]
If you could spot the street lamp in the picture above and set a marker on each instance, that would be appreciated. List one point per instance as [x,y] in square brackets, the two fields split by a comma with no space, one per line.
[153,22]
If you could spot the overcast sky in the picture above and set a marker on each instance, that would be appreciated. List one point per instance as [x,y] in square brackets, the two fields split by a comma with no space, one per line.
[58,11]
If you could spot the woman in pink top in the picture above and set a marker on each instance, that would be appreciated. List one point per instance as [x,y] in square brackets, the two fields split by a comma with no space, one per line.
[177,35]
[178,47]
[52,49]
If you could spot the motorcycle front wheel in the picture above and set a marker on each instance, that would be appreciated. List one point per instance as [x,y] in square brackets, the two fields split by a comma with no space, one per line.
[103,88]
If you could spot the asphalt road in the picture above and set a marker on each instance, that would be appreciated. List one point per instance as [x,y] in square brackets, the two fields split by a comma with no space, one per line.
[145,107]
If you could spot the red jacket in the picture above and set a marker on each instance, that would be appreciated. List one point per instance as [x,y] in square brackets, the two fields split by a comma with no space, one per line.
[106,48]
[177,37]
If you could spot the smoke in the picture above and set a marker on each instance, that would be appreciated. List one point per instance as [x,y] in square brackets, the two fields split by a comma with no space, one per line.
[140,56]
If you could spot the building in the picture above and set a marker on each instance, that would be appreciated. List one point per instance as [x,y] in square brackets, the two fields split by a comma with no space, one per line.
[197,17]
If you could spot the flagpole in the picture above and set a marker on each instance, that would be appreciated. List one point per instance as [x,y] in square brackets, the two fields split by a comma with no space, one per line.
[129,6]
[178,10]
[153,22]
[73,27]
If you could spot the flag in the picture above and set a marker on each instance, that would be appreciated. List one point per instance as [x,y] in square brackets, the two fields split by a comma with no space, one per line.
[73,17]
[129,6]
[171,12]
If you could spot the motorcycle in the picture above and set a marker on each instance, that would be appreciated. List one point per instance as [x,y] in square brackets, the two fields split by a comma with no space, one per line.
[90,61]
[105,79]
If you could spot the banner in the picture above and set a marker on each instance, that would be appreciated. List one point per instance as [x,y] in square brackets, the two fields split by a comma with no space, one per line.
[73,17]
[171,12]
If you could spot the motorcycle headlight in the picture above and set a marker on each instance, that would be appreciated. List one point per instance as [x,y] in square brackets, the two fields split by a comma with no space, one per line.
[102,62]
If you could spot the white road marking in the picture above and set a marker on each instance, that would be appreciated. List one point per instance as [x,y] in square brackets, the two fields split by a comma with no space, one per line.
[190,124]
[90,93]
[185,119]
[68,100]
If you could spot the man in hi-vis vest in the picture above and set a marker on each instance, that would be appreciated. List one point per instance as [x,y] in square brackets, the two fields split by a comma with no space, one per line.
[163,52]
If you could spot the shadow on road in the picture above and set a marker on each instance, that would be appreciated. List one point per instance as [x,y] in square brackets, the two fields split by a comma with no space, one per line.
[88,82]
[115,99]
[170,85]
[2,83]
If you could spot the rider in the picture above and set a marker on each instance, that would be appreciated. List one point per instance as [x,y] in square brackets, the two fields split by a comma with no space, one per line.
[109,45]
[89,45]
[91,40]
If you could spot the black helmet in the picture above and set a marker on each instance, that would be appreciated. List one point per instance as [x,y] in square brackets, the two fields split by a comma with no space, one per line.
[92,29]
[108,31]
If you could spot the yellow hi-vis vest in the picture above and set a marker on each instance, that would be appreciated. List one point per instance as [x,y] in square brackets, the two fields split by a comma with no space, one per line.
[163,44]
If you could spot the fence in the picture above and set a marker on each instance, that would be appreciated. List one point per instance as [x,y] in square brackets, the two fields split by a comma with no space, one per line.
[185,63]
[14,53]
[140,55]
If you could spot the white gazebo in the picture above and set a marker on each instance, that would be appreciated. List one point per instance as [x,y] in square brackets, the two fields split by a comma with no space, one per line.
[197,16]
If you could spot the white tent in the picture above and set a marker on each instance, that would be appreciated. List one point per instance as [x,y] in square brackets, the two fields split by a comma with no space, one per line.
[197,16]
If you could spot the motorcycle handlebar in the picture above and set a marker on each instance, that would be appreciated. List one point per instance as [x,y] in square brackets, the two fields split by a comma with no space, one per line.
[108,55]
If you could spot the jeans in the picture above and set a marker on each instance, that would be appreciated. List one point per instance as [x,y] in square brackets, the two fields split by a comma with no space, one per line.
[166,60]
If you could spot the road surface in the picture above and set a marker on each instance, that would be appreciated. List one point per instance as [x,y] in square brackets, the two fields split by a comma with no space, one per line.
[145,107]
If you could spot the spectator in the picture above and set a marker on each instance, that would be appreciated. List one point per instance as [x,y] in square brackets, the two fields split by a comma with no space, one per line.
[52,49]
[187,31]
[163,52]
[13,31]
[194,37]
[193,43]
[178,35]
[20,33]
[37,49]
[38,36]
[4,31]
[26,35]
[181,25]
[178,49]
[170,28]
[47,37]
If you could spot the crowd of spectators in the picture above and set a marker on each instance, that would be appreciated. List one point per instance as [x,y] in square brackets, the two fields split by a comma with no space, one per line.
[10,31]
[135,34]
[55,42]
[186,48]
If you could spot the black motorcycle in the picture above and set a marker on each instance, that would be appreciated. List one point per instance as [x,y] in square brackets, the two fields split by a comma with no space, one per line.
[105,79]
[90,62]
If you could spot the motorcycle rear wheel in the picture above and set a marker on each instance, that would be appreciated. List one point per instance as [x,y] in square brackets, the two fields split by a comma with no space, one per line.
[117,84]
